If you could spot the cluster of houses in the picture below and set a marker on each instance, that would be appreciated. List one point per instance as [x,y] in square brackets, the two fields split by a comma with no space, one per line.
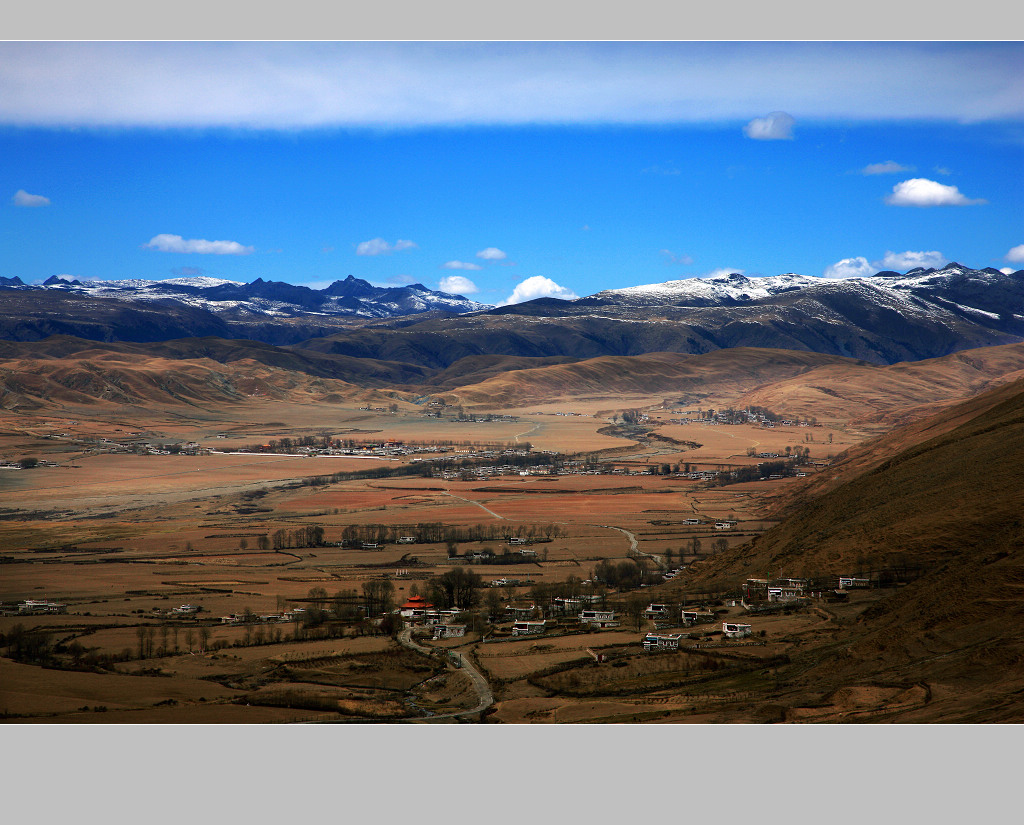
[180,610]
[663,641]
[35,607]
[107,445]
[293,615]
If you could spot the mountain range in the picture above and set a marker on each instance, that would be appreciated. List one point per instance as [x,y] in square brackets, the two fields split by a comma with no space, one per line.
[889,317]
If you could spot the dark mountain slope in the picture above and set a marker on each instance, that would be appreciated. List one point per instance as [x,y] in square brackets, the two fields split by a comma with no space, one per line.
[950,512]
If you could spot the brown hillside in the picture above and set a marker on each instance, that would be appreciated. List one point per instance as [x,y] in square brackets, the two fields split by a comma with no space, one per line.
[98,377]
[721,371]
[948,514]
[893,394]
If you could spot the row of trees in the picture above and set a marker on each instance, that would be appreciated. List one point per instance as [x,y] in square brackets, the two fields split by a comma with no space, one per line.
[766,469]
[436,532]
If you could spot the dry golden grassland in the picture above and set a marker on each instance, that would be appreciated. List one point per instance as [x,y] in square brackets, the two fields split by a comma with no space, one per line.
[122,537]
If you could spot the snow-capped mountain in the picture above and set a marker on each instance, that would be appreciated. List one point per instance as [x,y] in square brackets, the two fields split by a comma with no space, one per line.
[889,317]
[717,291]
[351,297]
[730,290]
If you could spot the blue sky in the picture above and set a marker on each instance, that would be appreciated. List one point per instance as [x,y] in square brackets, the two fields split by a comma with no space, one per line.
[508,170]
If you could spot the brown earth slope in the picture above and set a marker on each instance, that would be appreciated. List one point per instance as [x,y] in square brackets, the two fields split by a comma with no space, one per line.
[892,394]
[722,371]
[950,510]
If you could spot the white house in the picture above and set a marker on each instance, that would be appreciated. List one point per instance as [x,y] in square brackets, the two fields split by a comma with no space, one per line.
[449,631]
[849,582]
[652,641]
[724,525]
[41,606]
[656,611]
[598,618]
[734,630]
[528,628]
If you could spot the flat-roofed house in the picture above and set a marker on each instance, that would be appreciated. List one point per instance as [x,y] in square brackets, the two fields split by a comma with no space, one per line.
[598,618]
[524,628]
[735,630]
[652,641]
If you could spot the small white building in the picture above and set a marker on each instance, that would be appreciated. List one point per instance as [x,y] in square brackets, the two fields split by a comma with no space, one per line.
[735,630]
[849,582]
[652,641]
[524,628]
[656,611]
[407,539]
[41,606]
[724,525]
[598,618]
[449,631]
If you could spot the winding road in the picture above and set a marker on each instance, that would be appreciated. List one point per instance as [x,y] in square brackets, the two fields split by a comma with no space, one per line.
[483,689]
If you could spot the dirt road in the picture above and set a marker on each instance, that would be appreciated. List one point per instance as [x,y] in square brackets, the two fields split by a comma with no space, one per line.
[483,690]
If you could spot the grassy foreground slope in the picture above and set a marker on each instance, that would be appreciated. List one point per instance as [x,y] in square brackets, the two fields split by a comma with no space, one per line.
[950,510]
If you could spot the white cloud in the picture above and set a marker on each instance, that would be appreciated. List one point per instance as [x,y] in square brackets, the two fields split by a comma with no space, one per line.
[460,265]
[378,246]
[1016,255]
[458,285]
[924,192]
[886,168]
[197,246]
[676,259]
[902,261]
[539,287]
[1007,270]
[722,272]
[400,280]
[23,198]
[859,267]
[492,253]
[290,85]
[775,126]
[850,268]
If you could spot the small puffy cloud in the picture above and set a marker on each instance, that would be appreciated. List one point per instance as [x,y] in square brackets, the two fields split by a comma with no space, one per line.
[585,227]
[860,267]
[460,265]
[378,246]
[196,246]
[491,254]
[942,170]
[1016,255]
[458,285]
[850,268]
[774,126]
[539,287]
[23,198]
[902,261]
[672,258]
[1007,270]
[924,192]
[723,272]
[890,167]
